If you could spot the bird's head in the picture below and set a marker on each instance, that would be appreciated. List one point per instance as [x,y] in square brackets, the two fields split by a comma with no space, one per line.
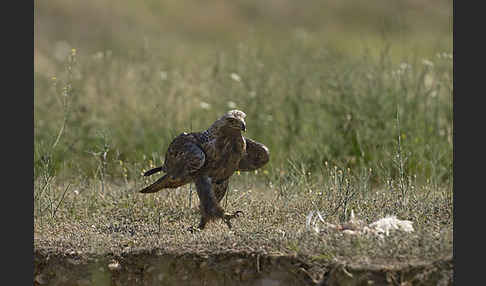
[233,120]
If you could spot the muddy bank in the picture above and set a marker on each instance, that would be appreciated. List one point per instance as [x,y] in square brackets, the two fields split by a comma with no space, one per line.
[144,268]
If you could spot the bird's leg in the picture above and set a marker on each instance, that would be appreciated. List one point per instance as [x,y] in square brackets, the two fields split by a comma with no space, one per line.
[209,206]
[220,188]
[202,224]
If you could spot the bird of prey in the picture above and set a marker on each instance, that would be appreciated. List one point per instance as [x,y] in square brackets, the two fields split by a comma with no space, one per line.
[208,159]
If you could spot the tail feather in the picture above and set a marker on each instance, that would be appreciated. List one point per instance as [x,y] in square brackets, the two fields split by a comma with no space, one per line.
[166,182]
[156,186]
[153,171]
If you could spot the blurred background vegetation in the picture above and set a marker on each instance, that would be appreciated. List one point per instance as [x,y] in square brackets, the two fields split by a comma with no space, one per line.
[358,84]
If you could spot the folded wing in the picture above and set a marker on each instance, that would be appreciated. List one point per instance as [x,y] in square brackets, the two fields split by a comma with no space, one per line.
[183,159]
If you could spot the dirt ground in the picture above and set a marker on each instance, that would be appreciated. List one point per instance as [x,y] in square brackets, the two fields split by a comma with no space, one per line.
[155,267]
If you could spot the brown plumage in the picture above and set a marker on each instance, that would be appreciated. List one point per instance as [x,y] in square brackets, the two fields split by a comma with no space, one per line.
[208,159]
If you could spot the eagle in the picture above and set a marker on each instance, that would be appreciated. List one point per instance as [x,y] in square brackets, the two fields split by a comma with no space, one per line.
[208,159]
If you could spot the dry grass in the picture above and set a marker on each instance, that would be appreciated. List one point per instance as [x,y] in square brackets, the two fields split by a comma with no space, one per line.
[120,220]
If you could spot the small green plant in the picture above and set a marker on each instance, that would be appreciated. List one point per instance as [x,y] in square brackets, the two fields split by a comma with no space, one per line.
[101,155]
[400,160]
[46,198]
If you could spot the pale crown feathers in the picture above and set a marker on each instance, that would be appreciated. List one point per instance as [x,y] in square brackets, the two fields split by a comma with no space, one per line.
[233,119]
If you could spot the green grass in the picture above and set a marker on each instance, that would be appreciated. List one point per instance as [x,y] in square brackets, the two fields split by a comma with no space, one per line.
[314,106]
[310,99]
[356,118]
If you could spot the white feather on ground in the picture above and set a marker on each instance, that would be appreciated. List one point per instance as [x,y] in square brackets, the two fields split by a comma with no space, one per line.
[391,223]
[381,228]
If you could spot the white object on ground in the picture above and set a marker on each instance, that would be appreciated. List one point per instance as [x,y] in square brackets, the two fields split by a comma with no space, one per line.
[382,227]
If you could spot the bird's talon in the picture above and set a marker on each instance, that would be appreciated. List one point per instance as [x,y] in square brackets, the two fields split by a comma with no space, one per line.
[228,217]
[238,213]
[192,229]
[233,215]
[228,223]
